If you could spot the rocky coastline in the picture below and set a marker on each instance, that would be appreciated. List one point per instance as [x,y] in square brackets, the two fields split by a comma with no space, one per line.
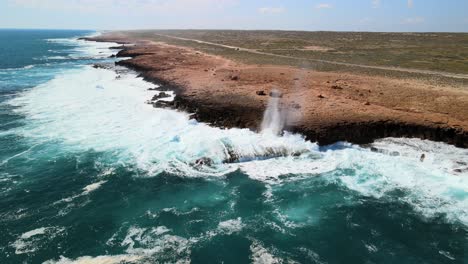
[171,67]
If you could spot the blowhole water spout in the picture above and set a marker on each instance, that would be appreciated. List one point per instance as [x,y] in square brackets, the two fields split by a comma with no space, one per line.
[273,118]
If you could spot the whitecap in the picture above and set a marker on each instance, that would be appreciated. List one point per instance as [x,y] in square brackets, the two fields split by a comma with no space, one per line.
[231,226]
[261,255]
[32,240]
[56,58]
[35,232]
[7,70]
[152,244]
[92,187]
[446,254]
[371,248]
[106,259]
[85,191]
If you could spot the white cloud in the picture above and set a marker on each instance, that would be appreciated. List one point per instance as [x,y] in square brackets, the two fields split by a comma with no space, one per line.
[413,20]
[324,6]
[410,3]
[271,10]
[375,3]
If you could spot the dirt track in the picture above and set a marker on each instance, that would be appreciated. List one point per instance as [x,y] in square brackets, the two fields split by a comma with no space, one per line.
[427,72]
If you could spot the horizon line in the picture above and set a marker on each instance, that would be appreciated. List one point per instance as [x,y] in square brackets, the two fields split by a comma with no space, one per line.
[231,29]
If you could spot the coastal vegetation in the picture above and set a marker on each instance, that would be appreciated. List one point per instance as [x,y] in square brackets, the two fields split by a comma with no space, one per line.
[414,54]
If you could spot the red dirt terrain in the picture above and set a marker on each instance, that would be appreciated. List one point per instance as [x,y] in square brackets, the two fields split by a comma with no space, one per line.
[324,106]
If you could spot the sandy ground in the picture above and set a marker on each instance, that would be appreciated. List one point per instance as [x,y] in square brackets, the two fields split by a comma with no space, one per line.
[323,49]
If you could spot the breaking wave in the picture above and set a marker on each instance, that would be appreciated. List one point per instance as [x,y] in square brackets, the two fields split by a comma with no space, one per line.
[93,109]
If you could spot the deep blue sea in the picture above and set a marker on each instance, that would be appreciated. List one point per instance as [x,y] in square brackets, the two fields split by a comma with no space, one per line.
[90,173]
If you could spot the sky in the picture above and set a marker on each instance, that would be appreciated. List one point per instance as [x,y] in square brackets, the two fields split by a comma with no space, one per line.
[311,15]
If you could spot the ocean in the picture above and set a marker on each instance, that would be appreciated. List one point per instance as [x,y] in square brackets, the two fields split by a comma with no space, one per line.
[90,173]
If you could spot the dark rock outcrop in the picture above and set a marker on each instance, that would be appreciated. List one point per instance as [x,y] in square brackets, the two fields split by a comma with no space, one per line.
[367,132]
[160,96]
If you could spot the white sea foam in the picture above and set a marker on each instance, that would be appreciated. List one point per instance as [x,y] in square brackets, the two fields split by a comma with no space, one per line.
[117,259]
[153,244]
[446,254]
[86,190]
[116,120]
[92,187]
[260,255]
[231,226]
[83,48]
[57,58]
[313,256]
[13,216]
[158,243]
[35,232]
[32,240]
[70,108]
[270,170]
[432,187]
[149,245]
[8,70]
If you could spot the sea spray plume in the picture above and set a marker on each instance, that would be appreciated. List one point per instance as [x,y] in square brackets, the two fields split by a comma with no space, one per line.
[276,118]
[273,118]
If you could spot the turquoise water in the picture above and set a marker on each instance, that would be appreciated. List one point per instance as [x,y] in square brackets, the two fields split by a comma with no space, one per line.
[89,172]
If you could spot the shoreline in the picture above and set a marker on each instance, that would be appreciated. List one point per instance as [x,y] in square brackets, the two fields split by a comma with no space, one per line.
[224,94]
